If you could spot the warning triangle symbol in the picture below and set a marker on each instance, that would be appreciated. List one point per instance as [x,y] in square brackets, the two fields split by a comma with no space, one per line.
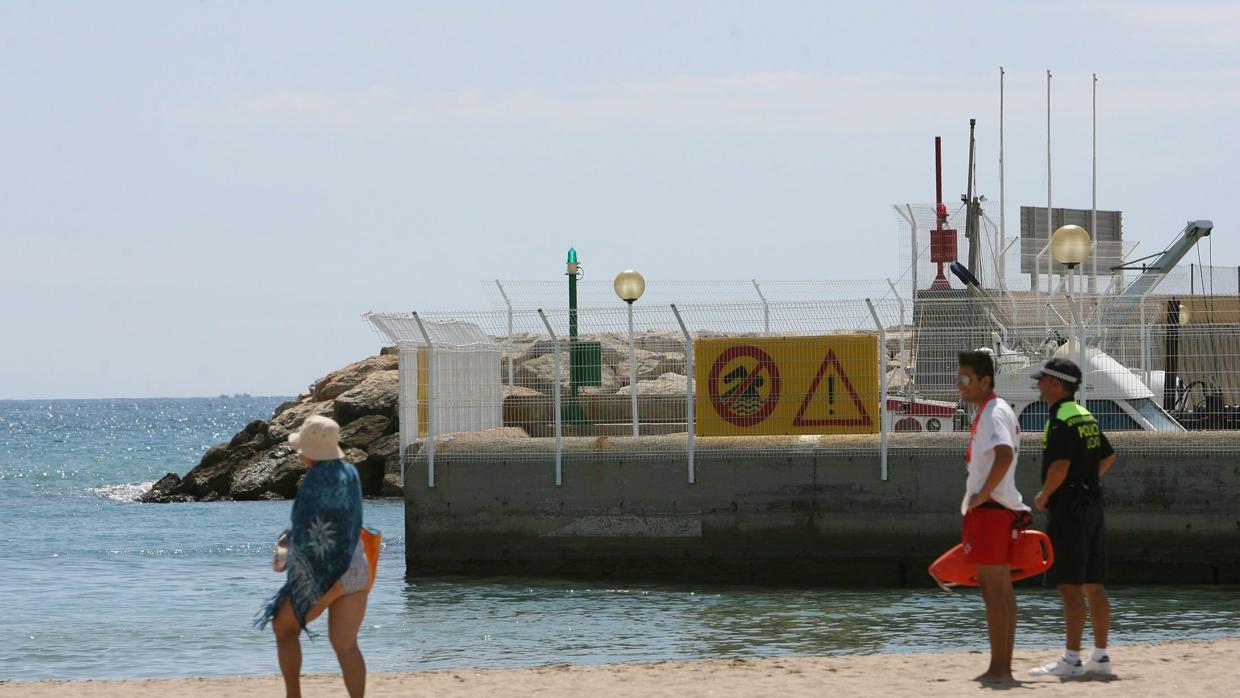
[831,400]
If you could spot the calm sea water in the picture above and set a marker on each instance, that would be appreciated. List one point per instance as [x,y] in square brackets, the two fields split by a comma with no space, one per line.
[96,586]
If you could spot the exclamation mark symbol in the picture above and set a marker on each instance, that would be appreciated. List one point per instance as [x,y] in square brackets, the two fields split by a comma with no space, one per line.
[831,395]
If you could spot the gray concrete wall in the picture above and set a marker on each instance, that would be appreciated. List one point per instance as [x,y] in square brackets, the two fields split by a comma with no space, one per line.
[792,510]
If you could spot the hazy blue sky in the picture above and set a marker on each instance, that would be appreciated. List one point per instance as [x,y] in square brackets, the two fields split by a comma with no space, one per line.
[203,197]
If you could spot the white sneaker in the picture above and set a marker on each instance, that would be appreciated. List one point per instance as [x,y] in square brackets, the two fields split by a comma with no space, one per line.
[1099,667]
[1059,667]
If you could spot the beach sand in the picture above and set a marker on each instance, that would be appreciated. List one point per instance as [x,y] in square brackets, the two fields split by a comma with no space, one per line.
[1183,669]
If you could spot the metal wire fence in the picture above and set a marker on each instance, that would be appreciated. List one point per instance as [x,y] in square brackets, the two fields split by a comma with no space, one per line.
[836,376]
[599,293]
[1197,280]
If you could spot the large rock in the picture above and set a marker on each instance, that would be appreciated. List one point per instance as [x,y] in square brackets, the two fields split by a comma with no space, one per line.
[616,409]
[165,490]
[537,348]
[661,341]
[291,419]
[339,382]
[257,462]
[276,471]
[384,453]
[654,358]
[649,367]
[673,362]
[614,348]
[539,375]
[666,384]
[661,399]
[375,395]
[518,343]
[289,404]
[383,448]
[214,455]
[658,400]
[528,409]
[254,433]
[507,391]
[361,432]
[391,485]
[212,477]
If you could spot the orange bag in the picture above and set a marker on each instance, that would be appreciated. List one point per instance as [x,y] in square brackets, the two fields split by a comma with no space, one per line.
[371,542]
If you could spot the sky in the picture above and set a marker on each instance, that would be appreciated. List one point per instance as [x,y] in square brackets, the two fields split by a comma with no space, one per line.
[204,197]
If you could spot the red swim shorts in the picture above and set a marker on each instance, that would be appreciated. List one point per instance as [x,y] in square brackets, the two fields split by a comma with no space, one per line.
[987,536]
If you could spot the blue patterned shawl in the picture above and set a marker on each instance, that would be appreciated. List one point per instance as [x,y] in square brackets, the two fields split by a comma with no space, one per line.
[327,520]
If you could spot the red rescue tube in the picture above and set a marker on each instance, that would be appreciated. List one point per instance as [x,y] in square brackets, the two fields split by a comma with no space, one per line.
[1032,555]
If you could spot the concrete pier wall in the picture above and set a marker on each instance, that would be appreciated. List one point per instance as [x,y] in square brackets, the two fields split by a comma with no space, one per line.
[802,510]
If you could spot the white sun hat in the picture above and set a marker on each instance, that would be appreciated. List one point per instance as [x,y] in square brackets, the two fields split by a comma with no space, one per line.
[318,439]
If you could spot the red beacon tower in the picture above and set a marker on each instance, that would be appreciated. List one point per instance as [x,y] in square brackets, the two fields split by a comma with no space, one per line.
[942,240]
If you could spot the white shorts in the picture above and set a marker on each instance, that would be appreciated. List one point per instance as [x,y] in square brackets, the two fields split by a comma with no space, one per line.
[357,577]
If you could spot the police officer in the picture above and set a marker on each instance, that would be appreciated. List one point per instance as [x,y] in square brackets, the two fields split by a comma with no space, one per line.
[1076,456]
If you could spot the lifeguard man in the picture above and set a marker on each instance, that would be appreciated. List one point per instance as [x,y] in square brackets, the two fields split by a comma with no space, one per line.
[992,506]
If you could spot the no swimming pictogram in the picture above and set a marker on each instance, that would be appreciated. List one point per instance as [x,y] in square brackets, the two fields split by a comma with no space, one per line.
[744,385]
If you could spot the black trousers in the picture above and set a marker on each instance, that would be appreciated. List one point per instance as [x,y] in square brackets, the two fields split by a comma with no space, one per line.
[1078,533]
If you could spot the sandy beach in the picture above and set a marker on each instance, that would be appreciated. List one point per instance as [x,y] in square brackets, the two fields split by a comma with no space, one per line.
[1184,669]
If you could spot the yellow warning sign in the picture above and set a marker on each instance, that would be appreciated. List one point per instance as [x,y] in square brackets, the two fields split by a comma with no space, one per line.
[787,385]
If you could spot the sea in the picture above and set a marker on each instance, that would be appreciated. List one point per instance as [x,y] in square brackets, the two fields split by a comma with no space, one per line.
[98,586]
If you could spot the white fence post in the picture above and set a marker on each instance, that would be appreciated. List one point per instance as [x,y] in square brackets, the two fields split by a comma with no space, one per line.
[430,403]
[507,337]
[766,308]
[1146,355]
[912,223]
[408,396]
[690,423]
[882,398]
[555,341]
[907,370]
[1037,279]
[1145,346]
[1080,348]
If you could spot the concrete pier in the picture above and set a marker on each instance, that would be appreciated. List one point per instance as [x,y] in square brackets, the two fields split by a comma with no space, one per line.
[792,510]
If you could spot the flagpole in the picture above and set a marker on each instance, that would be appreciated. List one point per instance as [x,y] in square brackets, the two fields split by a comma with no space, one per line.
[1093,211]
[1002,209]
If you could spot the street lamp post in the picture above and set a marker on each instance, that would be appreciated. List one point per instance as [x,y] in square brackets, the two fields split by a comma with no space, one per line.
[629,287]
[1070,245]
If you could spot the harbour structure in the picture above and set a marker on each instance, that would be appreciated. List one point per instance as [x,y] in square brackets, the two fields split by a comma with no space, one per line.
[736,439]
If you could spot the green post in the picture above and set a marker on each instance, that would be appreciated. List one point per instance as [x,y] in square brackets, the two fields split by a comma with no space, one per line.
[573,268]
[574,413]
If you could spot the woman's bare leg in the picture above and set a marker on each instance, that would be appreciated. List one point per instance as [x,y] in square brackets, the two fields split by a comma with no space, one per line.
[288,648]
[344,618]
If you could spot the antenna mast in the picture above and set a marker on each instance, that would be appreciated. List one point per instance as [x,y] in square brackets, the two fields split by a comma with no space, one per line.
[972,208]
[942,240]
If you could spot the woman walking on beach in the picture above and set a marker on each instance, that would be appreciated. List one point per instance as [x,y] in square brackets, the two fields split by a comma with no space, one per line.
[331,560]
